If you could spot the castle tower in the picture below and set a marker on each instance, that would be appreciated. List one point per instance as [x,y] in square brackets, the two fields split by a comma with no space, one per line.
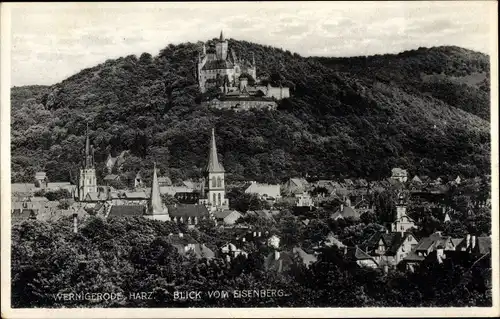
[221,48]
[216,190]
[87,182]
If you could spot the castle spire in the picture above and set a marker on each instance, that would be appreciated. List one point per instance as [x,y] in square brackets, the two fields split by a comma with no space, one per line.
[213,162]
[155,205]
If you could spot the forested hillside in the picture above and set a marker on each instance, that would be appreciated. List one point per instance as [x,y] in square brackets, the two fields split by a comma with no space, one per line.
[424,110]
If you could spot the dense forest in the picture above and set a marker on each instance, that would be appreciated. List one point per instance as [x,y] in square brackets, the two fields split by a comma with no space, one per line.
[425,110]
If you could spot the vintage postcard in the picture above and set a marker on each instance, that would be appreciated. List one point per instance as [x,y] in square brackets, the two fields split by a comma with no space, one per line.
[249,159]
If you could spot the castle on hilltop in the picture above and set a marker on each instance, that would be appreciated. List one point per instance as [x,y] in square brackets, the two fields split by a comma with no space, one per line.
[235,79]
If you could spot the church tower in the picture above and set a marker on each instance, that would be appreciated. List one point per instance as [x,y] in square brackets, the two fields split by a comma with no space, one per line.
[87,182]
[156,210]
[221,48]
[216,189]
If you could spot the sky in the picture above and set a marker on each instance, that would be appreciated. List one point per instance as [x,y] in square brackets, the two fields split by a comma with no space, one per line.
[52,41]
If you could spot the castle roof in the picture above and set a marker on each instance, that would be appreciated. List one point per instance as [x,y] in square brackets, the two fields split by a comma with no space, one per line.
[217,65]
[213,162]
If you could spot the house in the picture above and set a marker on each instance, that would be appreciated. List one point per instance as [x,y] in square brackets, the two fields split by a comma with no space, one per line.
[186,245]
[390,248]
[361,258]
[295,186]
[188,213]
[346,211]
[278,261]
[306,258]
[403,222]
[230,251]
[428,244]
[303,200]
[265,191]
[474,245]
[332,241]
[173,190]
[116,162]
[96,197]
[228,217]
[399,174]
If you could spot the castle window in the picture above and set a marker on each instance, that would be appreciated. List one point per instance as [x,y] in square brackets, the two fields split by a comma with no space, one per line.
[219,182]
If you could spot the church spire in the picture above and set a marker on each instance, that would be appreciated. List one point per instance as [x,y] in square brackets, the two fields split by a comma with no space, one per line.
[89,152]
[213,161]
[155,205]
[221,38]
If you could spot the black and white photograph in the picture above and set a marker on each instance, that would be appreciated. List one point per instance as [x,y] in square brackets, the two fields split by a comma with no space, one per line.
[257,155]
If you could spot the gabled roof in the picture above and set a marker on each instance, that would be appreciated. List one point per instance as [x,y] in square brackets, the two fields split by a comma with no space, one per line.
[358,254]
[346,213]
[392,241]
[126,210]
[267,189]
[164,180]
[434,240]
[187,210]
[96,196]
[413,256]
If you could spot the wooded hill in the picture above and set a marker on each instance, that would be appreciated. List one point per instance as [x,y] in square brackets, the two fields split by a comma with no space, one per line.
[425,110]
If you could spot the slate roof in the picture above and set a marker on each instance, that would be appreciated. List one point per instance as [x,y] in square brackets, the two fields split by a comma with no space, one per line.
[433,240]
[392,241]
[127,210]
[187,210]
[346,213]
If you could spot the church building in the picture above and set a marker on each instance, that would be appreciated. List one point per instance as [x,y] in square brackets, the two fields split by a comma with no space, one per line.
[87,182]
[214,189]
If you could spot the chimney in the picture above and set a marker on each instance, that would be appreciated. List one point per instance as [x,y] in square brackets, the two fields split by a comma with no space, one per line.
[276,255]
[75,223]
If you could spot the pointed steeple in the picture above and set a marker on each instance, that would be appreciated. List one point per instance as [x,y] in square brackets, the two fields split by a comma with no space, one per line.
[213,162]
[221,38]
[155,204]
[89,151]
